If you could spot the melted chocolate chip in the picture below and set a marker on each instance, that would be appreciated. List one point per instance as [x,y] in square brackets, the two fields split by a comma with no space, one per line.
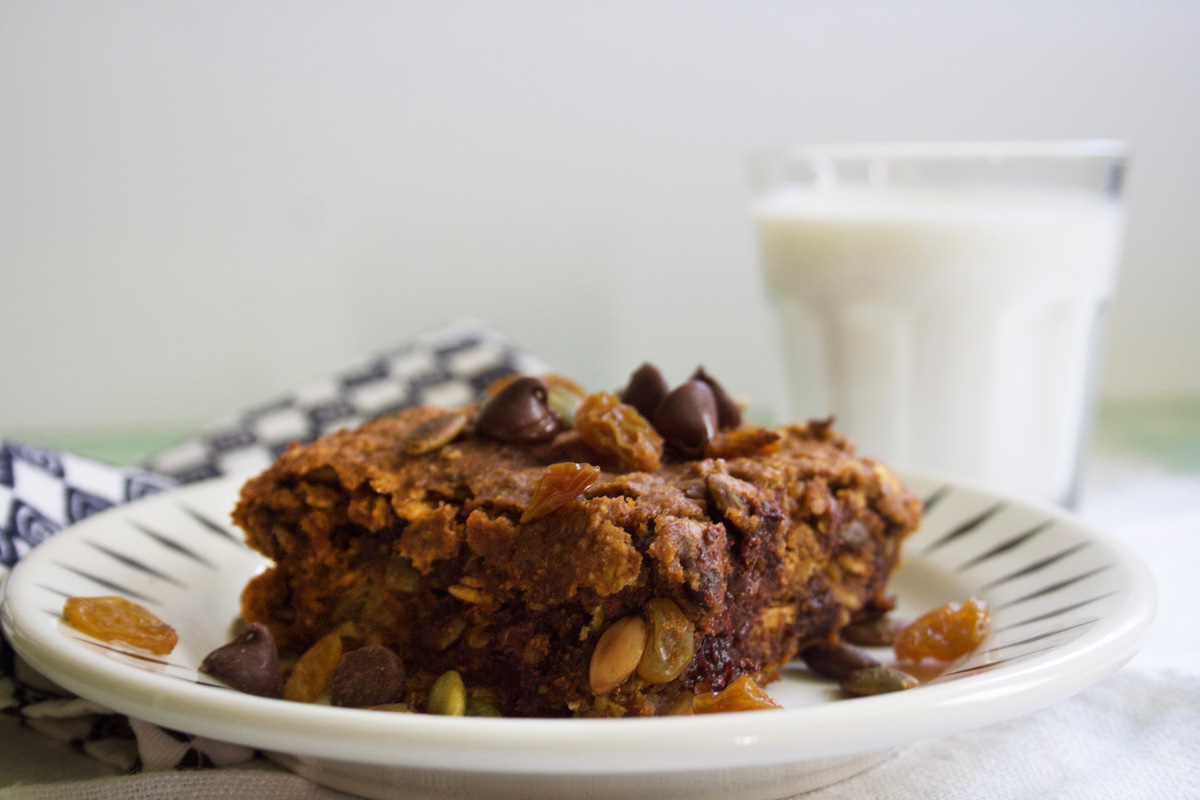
[519,413]
[728,413]
[369,676]
[687,418]
[249,663]
[647,388]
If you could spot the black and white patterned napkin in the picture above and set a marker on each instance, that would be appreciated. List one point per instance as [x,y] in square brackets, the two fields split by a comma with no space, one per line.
[42,491]
[448,367]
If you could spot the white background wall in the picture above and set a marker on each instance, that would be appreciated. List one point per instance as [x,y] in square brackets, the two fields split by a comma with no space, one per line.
[205,203]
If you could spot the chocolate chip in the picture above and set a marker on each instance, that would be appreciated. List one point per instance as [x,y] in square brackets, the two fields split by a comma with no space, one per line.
[729,415]
[369,676]
[647,388]
[519,413]
[874,632]
[837,661]
[249,663]
[687,418]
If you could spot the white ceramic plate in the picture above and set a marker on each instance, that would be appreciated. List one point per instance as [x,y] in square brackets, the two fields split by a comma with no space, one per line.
[1068,607]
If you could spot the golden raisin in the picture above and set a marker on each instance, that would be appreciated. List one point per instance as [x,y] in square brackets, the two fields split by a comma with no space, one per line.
[743,443]
[670,644]
[559,484]
[741,695]
[313,670]
[115,619]
[945,633]
[610,426]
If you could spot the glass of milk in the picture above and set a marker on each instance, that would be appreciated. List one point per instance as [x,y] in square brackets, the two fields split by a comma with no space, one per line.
[944,301]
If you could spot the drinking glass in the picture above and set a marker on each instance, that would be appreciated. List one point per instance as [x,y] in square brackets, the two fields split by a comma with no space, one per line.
[945,301]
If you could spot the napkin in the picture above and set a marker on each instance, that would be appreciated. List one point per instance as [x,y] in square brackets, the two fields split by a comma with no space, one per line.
[42,491]
[448,367]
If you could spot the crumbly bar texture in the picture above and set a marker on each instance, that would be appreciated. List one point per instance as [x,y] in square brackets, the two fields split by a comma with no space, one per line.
[427,555]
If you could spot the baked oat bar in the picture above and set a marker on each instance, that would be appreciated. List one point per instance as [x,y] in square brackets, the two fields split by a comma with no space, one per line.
[569,558]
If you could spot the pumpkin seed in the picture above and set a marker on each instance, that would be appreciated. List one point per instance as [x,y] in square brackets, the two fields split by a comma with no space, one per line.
[448,695]
[434,433]
[877,680]
[617,654]
[478,707]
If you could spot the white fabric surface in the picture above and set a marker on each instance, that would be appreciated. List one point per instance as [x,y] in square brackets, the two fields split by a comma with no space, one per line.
[234,784]
[1133,735]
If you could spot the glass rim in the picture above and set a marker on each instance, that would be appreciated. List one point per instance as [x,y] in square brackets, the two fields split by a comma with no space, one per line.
[984,151]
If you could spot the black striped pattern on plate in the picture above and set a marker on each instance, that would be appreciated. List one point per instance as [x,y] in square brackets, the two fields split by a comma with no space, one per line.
[1043,581]
[188,542]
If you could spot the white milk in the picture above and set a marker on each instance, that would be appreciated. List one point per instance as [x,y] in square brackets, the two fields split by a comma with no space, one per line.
[948,334]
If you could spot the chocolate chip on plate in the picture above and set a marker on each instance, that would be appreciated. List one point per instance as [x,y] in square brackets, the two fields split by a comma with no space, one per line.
[836,660]
[369,676]
[881,630]
[249,663]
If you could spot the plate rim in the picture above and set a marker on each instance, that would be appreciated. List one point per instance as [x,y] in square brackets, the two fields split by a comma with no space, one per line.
[594,746]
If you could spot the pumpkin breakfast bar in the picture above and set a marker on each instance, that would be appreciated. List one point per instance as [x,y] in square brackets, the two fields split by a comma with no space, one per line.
[577,558]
